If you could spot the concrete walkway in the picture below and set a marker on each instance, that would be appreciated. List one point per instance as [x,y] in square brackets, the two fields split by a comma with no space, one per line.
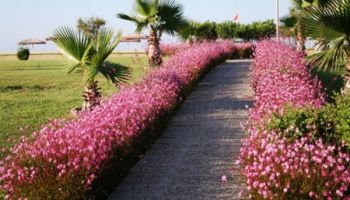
[200,145]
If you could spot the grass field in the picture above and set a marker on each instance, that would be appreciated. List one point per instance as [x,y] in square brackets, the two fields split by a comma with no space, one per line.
[34,91]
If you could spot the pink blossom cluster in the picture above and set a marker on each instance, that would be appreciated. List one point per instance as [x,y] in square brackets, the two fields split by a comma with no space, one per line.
[169,49]
[274,166]
[194,62]
[65,156]
[280,76]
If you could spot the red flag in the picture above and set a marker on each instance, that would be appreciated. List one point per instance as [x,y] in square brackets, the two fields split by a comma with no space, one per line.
[236,18]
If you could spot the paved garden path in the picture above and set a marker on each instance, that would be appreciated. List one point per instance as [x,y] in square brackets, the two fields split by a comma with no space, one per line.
[200,145]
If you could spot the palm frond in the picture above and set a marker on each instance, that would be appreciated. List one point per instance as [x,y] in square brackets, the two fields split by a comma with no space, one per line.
[75,46]
[105,43]
[145,8]
[329,21]
[315,3]
[127,17]
[91,73]
[171,16]
[297,4]
[333,57]
[115,73]
[140,23]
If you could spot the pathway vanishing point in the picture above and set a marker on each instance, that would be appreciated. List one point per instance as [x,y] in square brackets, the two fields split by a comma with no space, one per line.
[200,144]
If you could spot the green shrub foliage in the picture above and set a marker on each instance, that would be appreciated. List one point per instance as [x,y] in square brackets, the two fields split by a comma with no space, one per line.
[330,123]
[206,31]
[295,123]
[339,115]
[229,30]
[23,54]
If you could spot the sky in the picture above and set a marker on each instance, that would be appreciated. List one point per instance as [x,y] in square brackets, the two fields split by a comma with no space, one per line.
[22,19]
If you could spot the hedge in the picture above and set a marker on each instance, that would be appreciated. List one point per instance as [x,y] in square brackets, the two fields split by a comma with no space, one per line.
[63,159]
[276,166]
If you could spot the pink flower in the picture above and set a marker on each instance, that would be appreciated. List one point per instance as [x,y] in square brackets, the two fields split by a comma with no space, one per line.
[77,150]
[275,166]
[224,178]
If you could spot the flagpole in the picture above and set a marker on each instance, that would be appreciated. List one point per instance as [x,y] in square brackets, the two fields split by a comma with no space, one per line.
[277,19]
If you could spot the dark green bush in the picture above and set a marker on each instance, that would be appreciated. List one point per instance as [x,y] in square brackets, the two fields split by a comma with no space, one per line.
[228,30]
[339,114]
[256,30]
[206,31]
[330,123]
[23,54]
[298,122]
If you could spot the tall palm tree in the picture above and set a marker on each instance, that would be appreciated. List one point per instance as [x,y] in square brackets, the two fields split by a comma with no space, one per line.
[88,55]
[288,27]
[90,26]
[328,22]
[292,23]
[158,16]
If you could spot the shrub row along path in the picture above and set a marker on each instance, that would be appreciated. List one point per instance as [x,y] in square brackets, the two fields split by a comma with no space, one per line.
[200,144]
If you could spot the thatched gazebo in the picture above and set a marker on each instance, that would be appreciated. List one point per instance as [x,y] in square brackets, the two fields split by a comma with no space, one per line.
[133,38]
[31,41]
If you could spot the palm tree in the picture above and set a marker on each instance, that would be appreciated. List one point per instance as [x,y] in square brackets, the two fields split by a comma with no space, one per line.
[292,24]
[90,26]
[88,55]
[328,22]
[158,16]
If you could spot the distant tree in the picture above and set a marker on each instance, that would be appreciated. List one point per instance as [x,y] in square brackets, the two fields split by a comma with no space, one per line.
[227,30]
[88,55]
[188,32]
[90,26]
[206,31]
[158,16]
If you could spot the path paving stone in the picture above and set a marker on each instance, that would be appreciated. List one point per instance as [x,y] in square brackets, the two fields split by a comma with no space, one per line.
[200,145]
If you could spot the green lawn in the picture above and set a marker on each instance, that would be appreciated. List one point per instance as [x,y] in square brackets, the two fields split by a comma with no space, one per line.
[31,92]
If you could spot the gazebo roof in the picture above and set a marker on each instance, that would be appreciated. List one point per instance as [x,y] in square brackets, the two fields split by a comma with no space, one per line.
[133,38]
[31,41]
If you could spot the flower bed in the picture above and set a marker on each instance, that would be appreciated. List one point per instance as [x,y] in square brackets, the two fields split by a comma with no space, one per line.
[63,159]
[243,50]
[173,48]
[274,166]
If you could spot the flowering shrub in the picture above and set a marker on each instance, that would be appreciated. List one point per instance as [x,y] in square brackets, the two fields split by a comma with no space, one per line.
[242,50]
[63,159]
[275,166]
[330,123]
[279,77]
[171,49]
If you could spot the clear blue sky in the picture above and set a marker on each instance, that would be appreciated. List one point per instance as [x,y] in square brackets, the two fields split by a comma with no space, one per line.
[20,19]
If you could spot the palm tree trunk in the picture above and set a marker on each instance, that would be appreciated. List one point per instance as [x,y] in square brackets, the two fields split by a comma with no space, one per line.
[154,52]
[300,42]
[300,38]
[92,96]
[346,88]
